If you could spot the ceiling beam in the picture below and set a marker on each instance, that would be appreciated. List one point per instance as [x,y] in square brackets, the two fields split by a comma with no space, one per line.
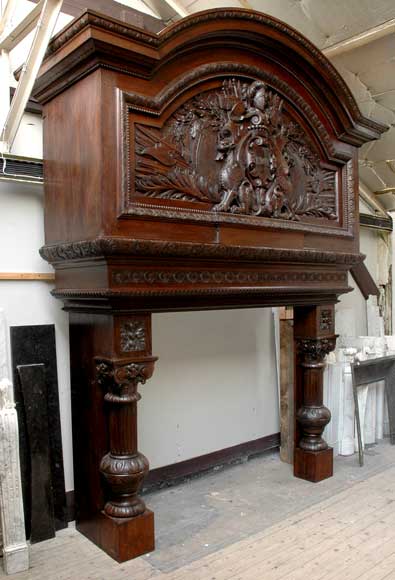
[361,39]
[115,10]
[167,9]
[246,4]
[369,198]
[45,23]
[178,7]
[13,38]
[7,14]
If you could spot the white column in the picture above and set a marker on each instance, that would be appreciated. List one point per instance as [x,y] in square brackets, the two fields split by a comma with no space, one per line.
[347,433]
[333,388]
[370,416]
[15,549]
[386,421]
[379,410]
[362,396]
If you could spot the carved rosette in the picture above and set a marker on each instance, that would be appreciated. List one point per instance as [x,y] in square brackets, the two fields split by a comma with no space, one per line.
[132,334]
[313,416]
[123,468]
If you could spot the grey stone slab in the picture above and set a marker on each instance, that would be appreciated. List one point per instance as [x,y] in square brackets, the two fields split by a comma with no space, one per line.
[34,391]
[36,345]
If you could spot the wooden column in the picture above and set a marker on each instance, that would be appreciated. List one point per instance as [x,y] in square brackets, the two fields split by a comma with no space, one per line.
[105,396]
[314,339]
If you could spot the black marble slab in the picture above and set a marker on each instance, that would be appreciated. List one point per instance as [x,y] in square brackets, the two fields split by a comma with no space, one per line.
[36,345]
[34,391]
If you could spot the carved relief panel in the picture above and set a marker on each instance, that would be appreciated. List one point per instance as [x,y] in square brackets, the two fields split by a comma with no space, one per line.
[236,152]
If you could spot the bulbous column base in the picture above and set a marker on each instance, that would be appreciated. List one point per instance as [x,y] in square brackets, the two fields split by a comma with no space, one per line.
[124,476]
[313,420]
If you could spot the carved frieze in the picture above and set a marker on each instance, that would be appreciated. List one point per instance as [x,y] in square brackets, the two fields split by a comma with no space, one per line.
[235,150]
[107,246]
[204,277]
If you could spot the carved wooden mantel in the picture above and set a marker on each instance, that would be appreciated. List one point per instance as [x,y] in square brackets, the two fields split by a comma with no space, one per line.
[213,165]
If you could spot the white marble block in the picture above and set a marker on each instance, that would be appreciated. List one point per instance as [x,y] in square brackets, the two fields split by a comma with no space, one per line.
[15,549]
[347,432]
[332,400]
[341,433]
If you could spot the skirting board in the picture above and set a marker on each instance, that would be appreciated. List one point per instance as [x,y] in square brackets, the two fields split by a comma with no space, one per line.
[172,474]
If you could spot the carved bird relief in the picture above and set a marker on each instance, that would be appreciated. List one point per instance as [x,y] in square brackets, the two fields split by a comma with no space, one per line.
[236,151]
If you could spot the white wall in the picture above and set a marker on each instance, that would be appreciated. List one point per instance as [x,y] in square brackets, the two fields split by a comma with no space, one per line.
[215,381]
[351,319]
[214,385]
[30,302]
[351,315]
[28,141]
[368,245]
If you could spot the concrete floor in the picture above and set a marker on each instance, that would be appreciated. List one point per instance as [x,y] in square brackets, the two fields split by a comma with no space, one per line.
[253,521]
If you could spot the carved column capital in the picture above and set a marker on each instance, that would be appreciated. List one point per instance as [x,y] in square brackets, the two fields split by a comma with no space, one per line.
[121,378]
[312,351]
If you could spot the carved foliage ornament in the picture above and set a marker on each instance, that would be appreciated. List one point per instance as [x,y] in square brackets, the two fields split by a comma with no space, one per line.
[326,320]
[314,350]
[121,380]
[121,246]
[235,150]
[132,334]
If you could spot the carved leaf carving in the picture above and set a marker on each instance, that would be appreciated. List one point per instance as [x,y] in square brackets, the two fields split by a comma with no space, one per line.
[235,150]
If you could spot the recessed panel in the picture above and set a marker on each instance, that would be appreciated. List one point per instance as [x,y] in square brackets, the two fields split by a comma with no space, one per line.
[235,153]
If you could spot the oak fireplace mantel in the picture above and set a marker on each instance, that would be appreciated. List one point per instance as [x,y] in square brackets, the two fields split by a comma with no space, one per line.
[212,165]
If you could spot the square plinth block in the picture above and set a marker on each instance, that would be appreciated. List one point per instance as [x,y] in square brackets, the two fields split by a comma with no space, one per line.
[121,538]
[313,465]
